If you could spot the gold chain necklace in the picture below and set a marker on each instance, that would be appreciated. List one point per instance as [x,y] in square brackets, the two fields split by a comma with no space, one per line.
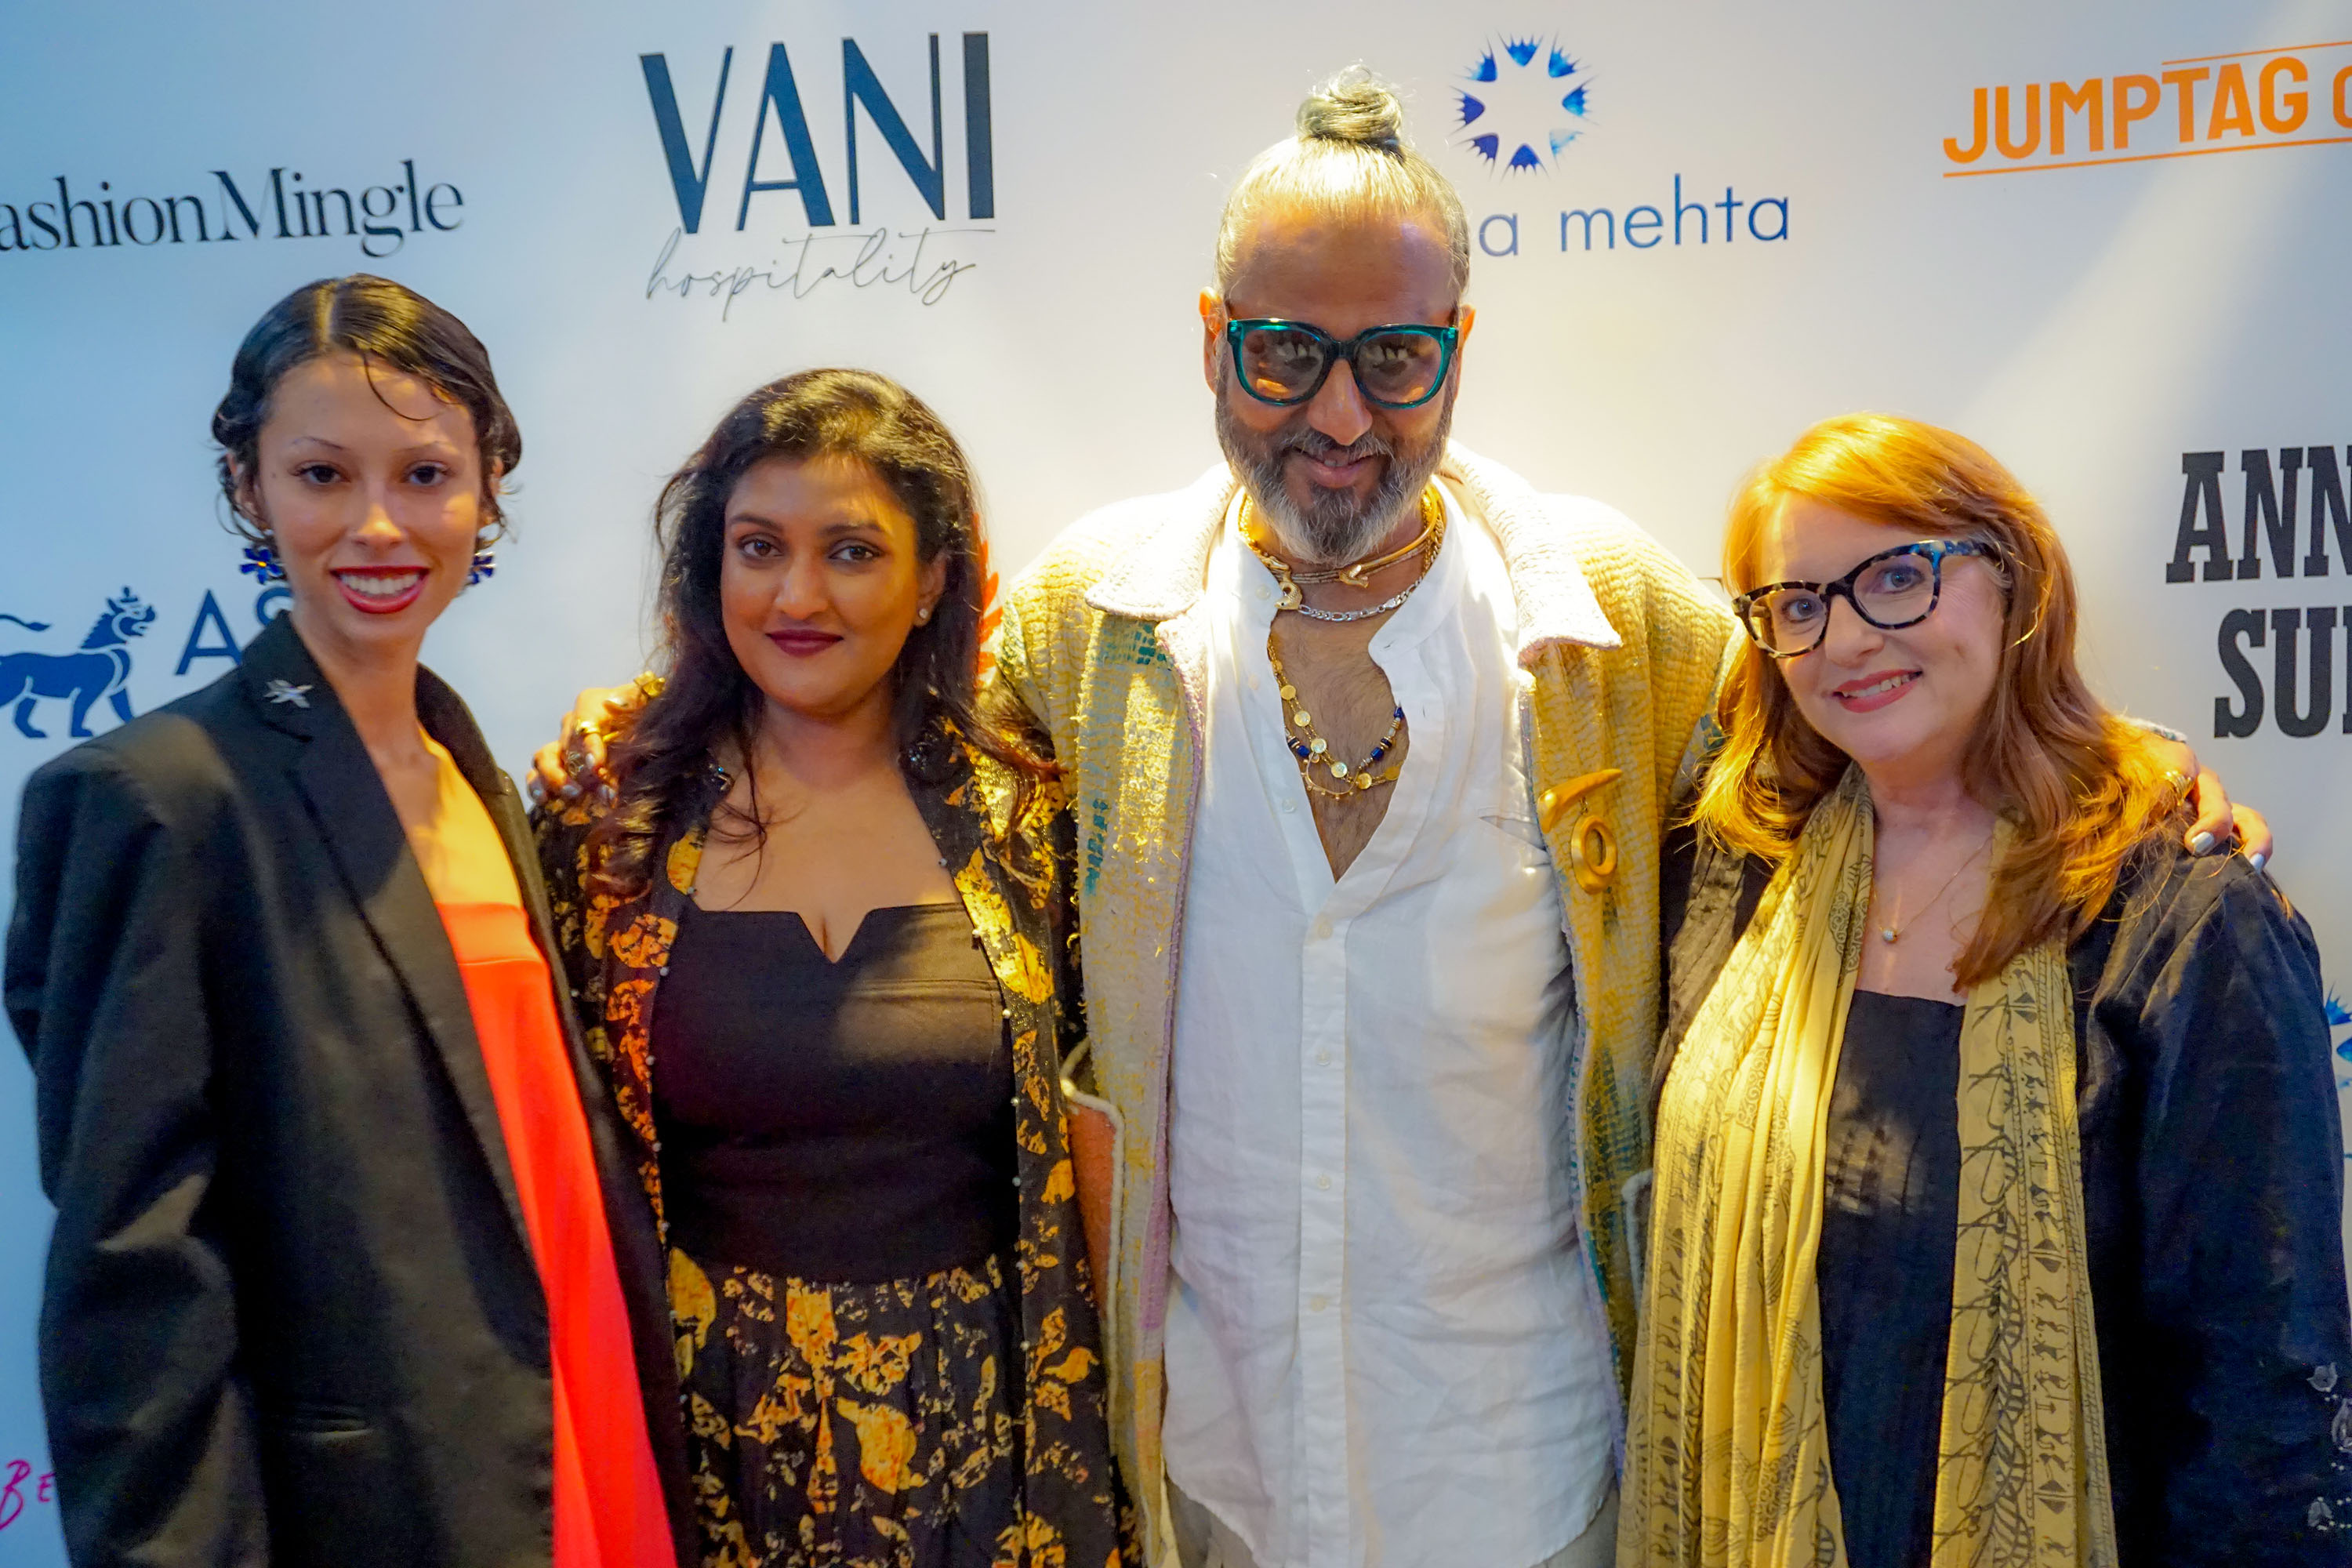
[1313,751]
[1289,577]
[1892,931]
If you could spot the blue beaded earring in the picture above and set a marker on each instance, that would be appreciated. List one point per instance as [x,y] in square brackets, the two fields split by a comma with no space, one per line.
[261,562]
[485,565]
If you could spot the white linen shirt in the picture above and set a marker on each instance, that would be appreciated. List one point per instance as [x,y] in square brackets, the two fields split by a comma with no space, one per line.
[1383,1348]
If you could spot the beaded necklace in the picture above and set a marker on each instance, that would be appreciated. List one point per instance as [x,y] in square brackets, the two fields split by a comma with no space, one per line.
[1312,751]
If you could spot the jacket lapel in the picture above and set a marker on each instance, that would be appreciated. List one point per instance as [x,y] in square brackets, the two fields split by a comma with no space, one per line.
[356,819]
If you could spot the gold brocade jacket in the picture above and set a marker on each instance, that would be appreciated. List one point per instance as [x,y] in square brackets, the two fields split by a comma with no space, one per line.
[615,952]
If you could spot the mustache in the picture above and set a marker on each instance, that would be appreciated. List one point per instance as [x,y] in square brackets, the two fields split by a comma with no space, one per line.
[1310,442]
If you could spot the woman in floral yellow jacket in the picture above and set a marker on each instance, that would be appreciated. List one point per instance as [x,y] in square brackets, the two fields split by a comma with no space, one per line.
[832,898]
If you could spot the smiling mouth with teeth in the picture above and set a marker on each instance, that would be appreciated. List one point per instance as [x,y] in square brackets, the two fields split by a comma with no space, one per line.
[381,584]
[1877,687]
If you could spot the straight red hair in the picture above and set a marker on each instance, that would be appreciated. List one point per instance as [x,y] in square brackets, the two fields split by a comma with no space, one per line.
[2084,791]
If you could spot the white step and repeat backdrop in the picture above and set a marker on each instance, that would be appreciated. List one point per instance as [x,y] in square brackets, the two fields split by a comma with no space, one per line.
[1700,226]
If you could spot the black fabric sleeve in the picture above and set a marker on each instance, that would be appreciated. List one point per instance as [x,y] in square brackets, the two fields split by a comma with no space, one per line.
[558,843]
[151,1421]
[2230,1366]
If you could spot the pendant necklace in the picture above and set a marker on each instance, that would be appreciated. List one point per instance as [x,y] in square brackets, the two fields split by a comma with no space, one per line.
[1288,578]
[1892,931]
[1313,754]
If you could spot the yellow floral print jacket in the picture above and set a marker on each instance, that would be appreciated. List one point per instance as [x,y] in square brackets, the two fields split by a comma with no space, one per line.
[1014,880]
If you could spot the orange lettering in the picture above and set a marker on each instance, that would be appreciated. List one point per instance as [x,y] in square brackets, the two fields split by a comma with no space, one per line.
[2343,109]
[2289,121]
[2090,100]
[2187,82]
[2129,112]
[2231,112]
[1976,148]
[2033,142]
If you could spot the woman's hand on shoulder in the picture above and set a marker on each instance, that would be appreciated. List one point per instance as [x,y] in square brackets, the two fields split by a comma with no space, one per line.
[573,762]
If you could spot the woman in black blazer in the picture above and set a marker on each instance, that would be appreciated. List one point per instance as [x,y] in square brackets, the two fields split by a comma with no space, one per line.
[350,1263]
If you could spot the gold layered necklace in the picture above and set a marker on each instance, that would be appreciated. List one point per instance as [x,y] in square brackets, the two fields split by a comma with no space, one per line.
[1290,579]
[1322,770]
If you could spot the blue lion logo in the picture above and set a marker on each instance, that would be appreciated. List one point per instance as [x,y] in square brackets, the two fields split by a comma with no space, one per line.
[99,667]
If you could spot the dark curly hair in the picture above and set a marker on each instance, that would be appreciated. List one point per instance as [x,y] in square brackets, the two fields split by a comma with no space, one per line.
[382,323]
[708,705]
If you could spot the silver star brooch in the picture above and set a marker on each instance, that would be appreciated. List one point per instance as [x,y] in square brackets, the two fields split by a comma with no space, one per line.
[286,691]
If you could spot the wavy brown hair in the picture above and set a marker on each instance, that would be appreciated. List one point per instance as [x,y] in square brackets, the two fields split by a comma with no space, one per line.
[2084,791]
[708,707]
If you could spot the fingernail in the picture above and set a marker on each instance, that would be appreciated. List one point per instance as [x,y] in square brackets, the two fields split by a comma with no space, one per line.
[2201,844]
[2258,861]
[572,792]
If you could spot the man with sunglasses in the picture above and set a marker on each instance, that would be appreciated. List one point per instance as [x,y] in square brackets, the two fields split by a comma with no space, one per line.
[1368,746]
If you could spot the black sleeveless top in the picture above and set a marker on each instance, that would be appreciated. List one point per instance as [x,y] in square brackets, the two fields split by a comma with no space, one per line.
[834,1122]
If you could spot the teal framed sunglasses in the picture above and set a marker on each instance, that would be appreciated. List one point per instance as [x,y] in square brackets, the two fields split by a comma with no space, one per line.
[1285,362]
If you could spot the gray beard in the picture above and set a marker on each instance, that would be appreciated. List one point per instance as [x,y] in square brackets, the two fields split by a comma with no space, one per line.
[1337,529]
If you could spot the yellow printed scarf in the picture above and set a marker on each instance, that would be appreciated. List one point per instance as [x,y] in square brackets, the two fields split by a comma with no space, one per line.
[1728,1462]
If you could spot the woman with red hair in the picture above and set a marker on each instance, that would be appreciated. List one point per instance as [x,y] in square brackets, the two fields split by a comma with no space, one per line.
[1997,1189]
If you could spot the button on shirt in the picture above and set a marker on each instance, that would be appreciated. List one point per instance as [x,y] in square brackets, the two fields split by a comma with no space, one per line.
[1383,1348]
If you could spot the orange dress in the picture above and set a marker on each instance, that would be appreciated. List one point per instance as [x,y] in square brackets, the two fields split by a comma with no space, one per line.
[609,1510]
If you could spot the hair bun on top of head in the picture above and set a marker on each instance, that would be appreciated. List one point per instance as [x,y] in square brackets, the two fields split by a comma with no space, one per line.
[1355,107]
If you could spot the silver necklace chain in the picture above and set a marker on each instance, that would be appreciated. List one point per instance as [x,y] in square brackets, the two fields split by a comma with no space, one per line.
[1382,608]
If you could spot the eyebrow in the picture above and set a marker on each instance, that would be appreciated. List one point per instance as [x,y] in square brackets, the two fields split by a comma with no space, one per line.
[436,445]
[847,525]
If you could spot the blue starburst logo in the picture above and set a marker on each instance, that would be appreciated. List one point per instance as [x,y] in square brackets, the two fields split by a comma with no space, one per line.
[1524,104]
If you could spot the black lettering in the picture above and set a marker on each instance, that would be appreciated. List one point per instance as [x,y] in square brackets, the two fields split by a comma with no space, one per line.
[196,205]
[130,228]
[2227,724]
[2326,506]
[433,206]
[16,229]
[232,194]
[2262,515]
[376,228]
[33,216]
[2285,638]
[66,205]
[350,219]
[2201,494]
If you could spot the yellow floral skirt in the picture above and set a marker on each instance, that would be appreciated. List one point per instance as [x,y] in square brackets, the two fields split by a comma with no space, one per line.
[869,1426]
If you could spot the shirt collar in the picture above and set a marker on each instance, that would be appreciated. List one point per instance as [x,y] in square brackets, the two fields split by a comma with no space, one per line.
[1163,574]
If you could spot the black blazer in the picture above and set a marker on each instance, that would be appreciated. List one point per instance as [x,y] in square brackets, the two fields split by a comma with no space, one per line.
[291,1314]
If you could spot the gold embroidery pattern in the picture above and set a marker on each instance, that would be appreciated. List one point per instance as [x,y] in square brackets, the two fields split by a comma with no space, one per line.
[859,1450]
[1727,1455]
